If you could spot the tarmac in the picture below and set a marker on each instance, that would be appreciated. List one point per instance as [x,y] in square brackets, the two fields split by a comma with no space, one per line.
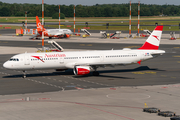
[124,103]
[108,97]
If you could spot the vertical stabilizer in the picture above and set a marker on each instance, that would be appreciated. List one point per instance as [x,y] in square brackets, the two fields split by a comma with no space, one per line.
[153,41]
[38,24]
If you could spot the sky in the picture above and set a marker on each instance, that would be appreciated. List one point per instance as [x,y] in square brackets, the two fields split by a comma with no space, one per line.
[93,2]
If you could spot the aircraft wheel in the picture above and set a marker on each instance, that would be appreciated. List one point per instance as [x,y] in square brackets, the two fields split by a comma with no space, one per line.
[24,74]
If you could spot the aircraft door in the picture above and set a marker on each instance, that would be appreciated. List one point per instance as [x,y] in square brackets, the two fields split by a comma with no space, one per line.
[61,60]
[101,58]
[26,60]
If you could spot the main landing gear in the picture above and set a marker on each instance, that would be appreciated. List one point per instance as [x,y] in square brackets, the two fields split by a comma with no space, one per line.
[95,73]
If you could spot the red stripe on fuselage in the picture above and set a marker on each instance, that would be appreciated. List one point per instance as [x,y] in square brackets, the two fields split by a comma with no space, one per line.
[149,46]
[38,57]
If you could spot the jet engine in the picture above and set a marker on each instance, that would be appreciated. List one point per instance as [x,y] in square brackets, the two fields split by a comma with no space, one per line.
[67,35]
[82,70]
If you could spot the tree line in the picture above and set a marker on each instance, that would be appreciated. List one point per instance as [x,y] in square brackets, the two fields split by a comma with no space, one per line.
[103,10]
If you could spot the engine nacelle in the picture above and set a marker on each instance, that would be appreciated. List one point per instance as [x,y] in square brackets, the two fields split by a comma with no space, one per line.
[82,70]
[67,36]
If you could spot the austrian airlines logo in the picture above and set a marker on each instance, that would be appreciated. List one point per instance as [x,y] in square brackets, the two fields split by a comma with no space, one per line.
[38,57]
[155,37]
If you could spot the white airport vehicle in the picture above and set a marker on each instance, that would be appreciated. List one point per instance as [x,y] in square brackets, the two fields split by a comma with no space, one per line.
[82,62]
[59,33]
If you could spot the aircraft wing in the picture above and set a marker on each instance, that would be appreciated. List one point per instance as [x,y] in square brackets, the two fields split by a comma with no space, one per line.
[95,65]
[101,65]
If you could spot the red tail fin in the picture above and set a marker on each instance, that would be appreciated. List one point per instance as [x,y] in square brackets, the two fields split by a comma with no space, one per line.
[38,24]
[153,40]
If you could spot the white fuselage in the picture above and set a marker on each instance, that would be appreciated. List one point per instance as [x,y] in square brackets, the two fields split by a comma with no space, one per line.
[68,60]
[58,31]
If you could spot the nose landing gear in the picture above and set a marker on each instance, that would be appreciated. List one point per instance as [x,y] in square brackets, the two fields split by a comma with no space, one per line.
[24,74]
[95,73]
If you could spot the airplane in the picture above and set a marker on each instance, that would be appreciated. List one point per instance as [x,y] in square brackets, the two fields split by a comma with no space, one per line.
[83,62]
[59,33]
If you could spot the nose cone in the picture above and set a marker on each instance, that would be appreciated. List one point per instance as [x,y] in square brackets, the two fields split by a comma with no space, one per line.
[6,65]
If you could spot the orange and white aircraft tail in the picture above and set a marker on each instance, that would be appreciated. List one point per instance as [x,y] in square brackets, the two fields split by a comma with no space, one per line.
[153,41]
[38,24]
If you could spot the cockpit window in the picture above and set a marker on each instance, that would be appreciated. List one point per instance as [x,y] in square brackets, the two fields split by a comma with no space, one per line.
[14,59]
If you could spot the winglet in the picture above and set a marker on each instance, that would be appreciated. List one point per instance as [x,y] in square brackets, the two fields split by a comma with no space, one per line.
[153,41]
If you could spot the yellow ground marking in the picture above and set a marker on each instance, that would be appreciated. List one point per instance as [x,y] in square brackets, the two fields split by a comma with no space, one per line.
[89,44]
[173,77]
[163,75]
[82,44]
[138,72]
[178,61]
[150,72]
[177,47]
[85,44]
[145,72]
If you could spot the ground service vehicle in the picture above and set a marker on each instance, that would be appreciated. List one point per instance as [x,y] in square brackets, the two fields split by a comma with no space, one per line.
[151,110]
[166,113]
[177,117]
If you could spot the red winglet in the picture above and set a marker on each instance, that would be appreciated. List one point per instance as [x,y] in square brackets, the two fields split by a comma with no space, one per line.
[160,28]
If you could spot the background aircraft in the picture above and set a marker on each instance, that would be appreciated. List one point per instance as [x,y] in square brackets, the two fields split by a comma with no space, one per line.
[59,33]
